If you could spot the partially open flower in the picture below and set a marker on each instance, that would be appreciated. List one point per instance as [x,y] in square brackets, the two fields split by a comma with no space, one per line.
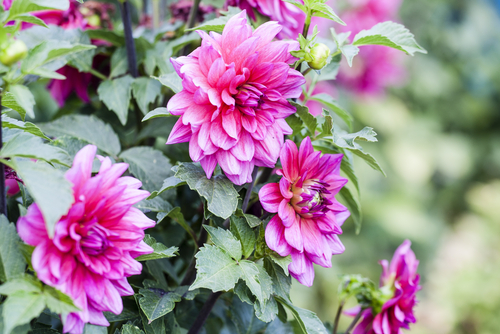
[93,249]
[309,217]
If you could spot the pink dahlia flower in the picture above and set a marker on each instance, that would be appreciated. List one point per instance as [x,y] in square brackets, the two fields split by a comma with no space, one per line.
[400,278]
[234,100]
[92,252]
[6,4]
[309,217]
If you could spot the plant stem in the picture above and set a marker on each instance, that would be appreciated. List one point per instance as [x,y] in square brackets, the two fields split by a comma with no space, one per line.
[306,71]
[249,191]
[191,271]
[97,74]
[3,198]
[193,13]
[307,23]
[156,14]
[205,311]
[353,323]
[337,317]
[129,39]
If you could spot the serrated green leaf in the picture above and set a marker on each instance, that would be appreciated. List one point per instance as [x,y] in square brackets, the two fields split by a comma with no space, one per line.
[26,6]
[222,198]
[295,123]
[244,293]
[171,80]
[20,99]
[158,112]
[168,183]
[148,165]
[217,24]
[347,167]
[31,19]
[281,261]
[115,94]
[155,327]
[12,263]
[297,4]
[156,304]
[250,274]
[242,231]
[267,311]
[145,91]
[243,318]
[131,329]
[216,270]
[119,62]
[333,105]
[225,240]
[26,283]
[20,308]
[106,35]
[353,205]
[48,187]
[309,120]
[29,127]
[389,34]
[327,126]
[323,10]
[308,321]
[94,329]
[58,302]
[88,128]
[25,145]
[44,73]
[160,251]
[281,282]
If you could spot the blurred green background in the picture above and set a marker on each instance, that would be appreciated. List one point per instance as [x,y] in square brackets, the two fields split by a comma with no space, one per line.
[439,143]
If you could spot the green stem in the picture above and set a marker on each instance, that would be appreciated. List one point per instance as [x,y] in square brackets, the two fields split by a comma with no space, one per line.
[193,13]
[307,23]
[355,321]
[3,197]
[98,74]
[306,71]
[337,317]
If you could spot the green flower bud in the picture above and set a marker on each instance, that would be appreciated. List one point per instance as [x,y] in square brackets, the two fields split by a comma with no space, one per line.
[94,20]
[13,53]
[319,53]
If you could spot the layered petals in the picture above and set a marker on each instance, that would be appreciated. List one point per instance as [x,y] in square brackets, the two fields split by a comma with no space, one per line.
[234,98]
[95,243]
[309,218]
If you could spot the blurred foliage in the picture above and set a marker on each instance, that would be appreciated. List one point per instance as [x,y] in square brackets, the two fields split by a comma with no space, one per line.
[439,142]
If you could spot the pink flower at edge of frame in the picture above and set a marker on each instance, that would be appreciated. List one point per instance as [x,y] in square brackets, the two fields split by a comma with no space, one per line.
[234,100]
[93,249]
[309,218]
[401,276]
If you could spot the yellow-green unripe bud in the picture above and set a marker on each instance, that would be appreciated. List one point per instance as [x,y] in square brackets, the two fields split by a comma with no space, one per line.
[13,53]
[94,20]
[319,53]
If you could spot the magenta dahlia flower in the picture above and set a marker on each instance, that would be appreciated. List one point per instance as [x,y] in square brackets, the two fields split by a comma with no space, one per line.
[92,252]
[6,4]
[400,280]
[234,100]
[309,217]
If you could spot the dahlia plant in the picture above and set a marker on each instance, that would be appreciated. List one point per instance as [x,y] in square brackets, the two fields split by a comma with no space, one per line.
[108,230]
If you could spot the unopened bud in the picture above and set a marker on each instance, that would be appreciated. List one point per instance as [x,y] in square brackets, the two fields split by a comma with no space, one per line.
[94,20]
[319,53]
[13,53]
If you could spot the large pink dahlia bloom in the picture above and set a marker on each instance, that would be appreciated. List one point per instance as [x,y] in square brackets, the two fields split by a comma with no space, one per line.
[92,252]
[401,279]
[234,99]
[309,217]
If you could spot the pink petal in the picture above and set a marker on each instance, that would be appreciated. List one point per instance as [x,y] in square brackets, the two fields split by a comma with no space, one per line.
[275,237]
[270,197]
[288,157]
[180,133]
[293,236]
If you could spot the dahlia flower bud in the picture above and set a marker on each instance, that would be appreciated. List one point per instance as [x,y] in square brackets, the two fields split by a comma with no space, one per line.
[319,54]
[94,246]
[309,217]
[13,53]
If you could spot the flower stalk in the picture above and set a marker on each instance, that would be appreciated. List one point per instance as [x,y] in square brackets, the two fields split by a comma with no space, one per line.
[3,198]
[337,317]
[354,321]
[129,39]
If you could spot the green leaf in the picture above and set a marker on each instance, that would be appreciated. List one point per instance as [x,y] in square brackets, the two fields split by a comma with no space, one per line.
[28,127]
[44,73]
[297,4]
[87,128]
[349,51]
[145,91]
[148,165]
[243,232]
[158,112]
[168,183]
[155,327]
[257,280]
[171,80]
[31,19]
[354,207]
[131,329]
[157,304]
[58,302]
[51,50]
[26,6]
[20,308]
[219,23]
[267,311]
[347,167]
[327,126]
[222,198]
[243,317]
[119,62]
[160,251]
[116,95]
[389,34]
[333,105]
[281,261]
[106,35]
[323,10]
[25,145]
[295,123]
[225,240]
[26,283]
[12,263]
[281,281]
[252,220]
[94,329]
[20,99]
[346,140]
[216,270]
[308,321]
[309,120]
[48,187]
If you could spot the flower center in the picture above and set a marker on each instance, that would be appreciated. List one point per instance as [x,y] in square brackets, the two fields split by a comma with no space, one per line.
[249,97]
[309,198]
[96,240]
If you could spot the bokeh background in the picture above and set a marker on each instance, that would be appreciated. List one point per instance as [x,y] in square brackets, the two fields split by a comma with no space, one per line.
[439,143]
